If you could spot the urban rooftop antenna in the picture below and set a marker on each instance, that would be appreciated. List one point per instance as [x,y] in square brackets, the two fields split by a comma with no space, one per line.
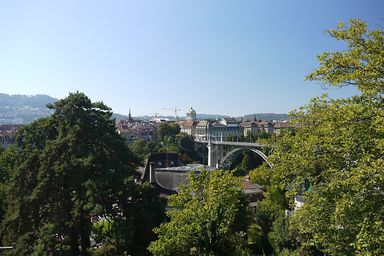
[175,110]
[156,114]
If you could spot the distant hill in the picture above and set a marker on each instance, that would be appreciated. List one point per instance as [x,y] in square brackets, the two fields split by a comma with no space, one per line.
[199,116]
[119,116]
[209,116]
[263,116]
[267,116]
[147,118]
[22,109]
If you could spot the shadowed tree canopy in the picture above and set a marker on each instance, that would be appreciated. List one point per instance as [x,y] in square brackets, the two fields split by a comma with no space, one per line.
[69,169]
[168,130]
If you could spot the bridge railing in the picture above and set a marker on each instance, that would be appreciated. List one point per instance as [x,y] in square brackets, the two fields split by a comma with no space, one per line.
[231,143]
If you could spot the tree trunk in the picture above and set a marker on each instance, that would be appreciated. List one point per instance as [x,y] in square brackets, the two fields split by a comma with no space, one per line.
[85,233]
[74,242]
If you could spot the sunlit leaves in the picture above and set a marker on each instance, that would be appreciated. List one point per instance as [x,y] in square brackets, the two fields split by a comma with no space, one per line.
[361,65]
[337,148]
[206,217]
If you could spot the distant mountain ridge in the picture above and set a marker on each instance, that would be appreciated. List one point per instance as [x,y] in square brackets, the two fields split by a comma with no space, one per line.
[267,116]
[262,116]
[23,109]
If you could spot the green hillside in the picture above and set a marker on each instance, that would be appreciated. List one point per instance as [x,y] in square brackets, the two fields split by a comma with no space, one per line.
[22,109]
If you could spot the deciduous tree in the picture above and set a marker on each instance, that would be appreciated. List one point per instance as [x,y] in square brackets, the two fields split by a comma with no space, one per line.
[338,149]
[168,129]
[208,217]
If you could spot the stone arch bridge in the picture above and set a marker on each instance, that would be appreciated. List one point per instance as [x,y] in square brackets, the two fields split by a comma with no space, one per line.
[220,151]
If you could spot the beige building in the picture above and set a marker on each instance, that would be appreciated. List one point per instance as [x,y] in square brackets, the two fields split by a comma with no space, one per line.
[250,128]
[188,127]
[278,127]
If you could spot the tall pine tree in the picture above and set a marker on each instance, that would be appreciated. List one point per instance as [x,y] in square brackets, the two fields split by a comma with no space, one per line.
[70,170]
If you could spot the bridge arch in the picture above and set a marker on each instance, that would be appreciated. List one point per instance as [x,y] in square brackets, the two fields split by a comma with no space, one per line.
[233,151]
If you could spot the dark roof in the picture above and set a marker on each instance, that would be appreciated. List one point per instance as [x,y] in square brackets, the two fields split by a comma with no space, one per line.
[170,180]
[160,160]
[169,174]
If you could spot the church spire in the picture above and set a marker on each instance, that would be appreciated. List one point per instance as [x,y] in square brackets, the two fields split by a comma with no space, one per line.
[130,119]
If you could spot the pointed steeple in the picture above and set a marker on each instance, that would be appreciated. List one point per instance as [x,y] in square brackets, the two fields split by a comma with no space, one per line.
[130,119]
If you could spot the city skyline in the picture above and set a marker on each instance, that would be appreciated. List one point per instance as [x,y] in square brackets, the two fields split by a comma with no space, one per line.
[249,56]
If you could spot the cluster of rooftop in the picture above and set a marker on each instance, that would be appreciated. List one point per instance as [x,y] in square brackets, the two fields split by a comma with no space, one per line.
[133,130]
[217,130]
[7,134]
[221,129]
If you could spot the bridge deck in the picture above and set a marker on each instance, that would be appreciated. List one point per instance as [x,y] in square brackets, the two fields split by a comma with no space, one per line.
[231,143]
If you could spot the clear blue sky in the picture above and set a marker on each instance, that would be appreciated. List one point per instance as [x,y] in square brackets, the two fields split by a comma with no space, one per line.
[228,57]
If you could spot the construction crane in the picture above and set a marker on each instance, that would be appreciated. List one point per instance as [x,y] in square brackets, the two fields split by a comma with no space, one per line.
[175,110]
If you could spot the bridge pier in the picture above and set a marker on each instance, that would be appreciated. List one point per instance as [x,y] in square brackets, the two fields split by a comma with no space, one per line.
[214,153]
[211,157]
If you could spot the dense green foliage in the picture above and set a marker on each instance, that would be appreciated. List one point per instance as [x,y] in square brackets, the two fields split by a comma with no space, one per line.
[186,147]
[260,136]
[243,162]
[6,161]
[338,149]
[208,217]
[181,143]
[65,172]
[168,129]
[333,158]
[142,148]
